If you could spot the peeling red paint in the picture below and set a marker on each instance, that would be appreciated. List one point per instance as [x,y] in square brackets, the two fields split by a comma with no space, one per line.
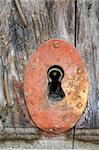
[23,107]
[18,87]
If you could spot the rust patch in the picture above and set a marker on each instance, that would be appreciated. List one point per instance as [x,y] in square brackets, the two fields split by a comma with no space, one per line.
[51,114]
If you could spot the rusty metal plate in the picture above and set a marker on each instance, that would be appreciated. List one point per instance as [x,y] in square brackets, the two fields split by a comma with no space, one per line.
[55,86]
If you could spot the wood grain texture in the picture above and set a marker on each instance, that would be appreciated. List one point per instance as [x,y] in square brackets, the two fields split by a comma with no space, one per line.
[87,42]
[76,21]
[45,19]
[28,138]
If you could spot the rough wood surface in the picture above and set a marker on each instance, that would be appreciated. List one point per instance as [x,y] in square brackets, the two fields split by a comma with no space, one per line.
[87,42]
[45,20]
[28,138]
[24,25]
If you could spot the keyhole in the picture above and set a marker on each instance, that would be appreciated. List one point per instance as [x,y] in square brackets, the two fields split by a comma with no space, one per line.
[55,74]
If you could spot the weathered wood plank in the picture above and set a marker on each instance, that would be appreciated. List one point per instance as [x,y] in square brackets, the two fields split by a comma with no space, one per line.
[45,20]
[28,138]
[87,42]
[86,135]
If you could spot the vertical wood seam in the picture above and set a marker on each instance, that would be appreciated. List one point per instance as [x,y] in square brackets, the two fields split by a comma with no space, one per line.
[74,129]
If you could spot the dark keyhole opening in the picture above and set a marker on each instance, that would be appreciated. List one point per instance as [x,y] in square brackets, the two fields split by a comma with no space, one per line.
[55,74]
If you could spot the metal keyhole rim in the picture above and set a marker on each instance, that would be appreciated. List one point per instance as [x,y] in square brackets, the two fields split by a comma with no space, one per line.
[61,71]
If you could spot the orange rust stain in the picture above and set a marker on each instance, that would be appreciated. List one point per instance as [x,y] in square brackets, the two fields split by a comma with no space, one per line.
[62,115]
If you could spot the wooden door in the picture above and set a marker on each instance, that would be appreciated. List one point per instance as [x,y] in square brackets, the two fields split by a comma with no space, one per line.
[24,25]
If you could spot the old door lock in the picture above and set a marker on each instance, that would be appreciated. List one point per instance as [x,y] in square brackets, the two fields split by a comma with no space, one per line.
[55,75]
[55,86]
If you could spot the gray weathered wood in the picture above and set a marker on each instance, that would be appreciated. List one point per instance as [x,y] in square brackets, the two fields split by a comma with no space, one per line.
[87,42]
[28,138]
[45,20]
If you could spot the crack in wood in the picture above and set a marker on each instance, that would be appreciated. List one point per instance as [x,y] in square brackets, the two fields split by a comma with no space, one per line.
[21,13]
